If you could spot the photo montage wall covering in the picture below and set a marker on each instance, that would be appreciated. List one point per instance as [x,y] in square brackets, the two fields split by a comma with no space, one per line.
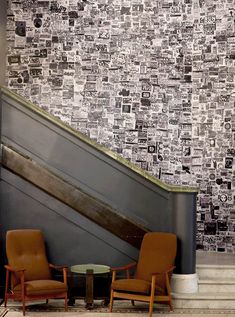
[152,80]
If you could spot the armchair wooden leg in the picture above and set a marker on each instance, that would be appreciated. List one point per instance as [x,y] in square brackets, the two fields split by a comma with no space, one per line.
[5,300]
[66,303]
[23,306]
[168,286]
[6,288]
[151,299]
[151,306]
[23,291]
[170,304]
[111,302]
[132,302]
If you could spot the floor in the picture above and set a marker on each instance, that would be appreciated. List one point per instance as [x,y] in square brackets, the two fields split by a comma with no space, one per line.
[11,314]
[123,313]
[124,308]
[191,313]
[120,309]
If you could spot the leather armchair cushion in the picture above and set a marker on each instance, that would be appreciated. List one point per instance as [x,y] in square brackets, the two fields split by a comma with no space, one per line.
[132,285]
[26,250]
[42,287]
[157,254]
[135,286]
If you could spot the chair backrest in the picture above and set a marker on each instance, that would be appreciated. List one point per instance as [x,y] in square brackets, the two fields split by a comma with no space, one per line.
[26,250]
[157,254]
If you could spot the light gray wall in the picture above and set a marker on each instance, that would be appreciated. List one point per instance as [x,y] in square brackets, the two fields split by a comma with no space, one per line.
[3,19]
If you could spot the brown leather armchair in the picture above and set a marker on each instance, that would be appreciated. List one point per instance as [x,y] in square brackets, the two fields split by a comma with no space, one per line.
[28,273]
[153,272]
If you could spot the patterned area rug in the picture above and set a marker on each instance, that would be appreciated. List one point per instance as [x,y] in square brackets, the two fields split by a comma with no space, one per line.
[3,311]
[58,306]
[121,308]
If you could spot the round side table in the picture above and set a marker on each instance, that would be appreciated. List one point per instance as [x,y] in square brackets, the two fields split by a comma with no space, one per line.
[89,270]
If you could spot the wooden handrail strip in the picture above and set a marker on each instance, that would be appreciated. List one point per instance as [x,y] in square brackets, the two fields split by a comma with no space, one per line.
[69,194]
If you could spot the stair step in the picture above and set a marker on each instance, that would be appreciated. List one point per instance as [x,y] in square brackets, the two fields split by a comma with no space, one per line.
[209,300]
[211,271]
[215,285]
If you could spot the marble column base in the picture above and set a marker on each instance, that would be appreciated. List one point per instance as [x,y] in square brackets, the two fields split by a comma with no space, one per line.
[184,283]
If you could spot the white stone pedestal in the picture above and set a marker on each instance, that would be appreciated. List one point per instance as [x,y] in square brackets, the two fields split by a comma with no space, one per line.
[184,283]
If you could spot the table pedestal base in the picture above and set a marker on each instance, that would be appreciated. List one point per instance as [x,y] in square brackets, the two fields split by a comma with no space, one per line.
[90,271]
[89,299]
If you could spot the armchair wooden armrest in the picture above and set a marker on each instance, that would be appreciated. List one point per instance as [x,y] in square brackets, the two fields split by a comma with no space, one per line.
[61,267]
[164,272]
[122,268]
[9,268]
[57,267]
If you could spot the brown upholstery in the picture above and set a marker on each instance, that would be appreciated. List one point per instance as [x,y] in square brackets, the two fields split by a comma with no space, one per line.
[153,272]
[157,253]
[132,285]
[29,270]
[26,249]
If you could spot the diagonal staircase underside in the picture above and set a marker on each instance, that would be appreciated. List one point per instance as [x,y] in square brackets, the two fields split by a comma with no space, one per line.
[92,208]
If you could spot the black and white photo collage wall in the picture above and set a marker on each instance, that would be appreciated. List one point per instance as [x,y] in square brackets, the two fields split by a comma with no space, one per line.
[151,80]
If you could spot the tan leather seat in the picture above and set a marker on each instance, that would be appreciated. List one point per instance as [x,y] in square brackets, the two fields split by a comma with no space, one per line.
[39,287]
[153,272]
[132,285]
[28,275]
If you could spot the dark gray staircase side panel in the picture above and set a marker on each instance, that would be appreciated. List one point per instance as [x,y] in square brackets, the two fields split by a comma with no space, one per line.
[71,238]
[87,168]
[184,206]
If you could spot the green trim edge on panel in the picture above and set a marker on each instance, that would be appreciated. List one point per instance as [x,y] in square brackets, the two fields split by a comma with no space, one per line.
[97,146]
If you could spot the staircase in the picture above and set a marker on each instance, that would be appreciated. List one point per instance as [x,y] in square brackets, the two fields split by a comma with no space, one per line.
[97,199]
[216,283]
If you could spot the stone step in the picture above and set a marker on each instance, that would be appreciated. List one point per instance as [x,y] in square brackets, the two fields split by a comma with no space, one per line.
[216,285]
[225,300]
[213,271]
